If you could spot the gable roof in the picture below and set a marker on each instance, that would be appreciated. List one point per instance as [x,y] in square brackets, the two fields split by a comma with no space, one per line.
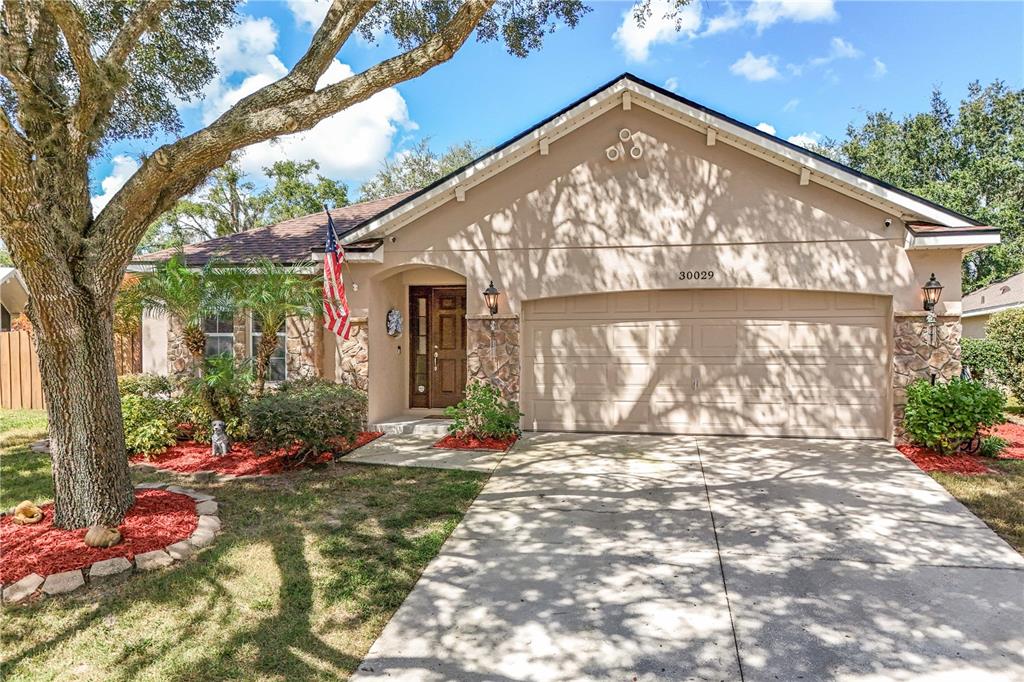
[1002,295]
[628,90]
[290,241]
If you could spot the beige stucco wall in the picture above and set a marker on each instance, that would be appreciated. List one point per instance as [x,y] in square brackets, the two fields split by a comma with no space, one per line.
[154,343]
[574,222]
[974,327]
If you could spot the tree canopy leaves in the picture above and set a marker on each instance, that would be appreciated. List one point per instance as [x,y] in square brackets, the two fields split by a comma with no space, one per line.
[416,168]
[229,202]
[970,160]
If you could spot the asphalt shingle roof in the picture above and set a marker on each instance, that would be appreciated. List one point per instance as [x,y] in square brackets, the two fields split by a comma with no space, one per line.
[290,241]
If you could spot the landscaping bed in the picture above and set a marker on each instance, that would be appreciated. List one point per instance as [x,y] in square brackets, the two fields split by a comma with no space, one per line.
[244,459]
[158,519]
[968,465]
[454,442]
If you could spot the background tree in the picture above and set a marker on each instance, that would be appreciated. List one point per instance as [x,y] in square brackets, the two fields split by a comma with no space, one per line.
[75,77]
[228,203]
[272,293]
[416,168]
[968,160]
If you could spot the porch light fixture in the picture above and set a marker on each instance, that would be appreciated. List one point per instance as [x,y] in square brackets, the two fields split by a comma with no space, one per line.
[932,290]
[491,298]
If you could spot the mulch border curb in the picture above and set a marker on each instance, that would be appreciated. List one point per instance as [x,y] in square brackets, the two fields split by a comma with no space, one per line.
[208,526]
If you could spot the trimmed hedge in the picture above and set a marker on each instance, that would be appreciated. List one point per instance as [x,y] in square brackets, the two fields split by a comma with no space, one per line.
[942,416]
[984,358]
[1006,330]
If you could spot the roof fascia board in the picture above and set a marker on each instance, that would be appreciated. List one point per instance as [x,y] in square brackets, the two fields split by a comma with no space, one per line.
[492,165]
[151,267]
[859,187]
[917,242]
[699,120]
[992,310]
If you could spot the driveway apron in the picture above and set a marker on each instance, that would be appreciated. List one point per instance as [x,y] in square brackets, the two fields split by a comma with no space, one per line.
[626,557]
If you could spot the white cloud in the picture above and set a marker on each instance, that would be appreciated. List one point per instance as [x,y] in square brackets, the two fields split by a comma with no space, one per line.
[838,49]
[351,144]
[123,169]
[764,13]
[791,105]
[672,84]
[308,13]
[666,24]
[755,68]
[766,128]
[879,68]
[808,139]
[728,21]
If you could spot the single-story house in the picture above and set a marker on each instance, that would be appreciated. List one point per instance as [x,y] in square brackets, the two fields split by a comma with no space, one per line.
[660,267]
[980,305]
[13,296]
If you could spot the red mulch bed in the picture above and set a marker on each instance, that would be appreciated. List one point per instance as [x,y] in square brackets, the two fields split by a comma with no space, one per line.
[929,460]
[158,518]
[1013,434]
[451,442]
[189,457]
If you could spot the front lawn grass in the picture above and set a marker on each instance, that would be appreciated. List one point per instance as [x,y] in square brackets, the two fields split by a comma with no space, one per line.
[997,499]
[310,567]
[23,474]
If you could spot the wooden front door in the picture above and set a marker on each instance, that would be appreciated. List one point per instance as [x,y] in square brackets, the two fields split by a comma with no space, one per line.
[437,325]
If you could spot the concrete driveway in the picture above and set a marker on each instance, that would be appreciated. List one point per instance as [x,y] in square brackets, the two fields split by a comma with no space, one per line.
[613,557]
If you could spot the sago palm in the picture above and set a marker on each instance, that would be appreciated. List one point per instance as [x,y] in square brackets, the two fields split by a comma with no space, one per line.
[189,295]
[272,293]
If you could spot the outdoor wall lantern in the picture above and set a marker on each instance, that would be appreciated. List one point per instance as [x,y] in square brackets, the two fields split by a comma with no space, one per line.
[491,298]
[932,290]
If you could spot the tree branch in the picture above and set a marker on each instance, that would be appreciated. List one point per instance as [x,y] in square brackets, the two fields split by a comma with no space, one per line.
[130,34]
[176,169]
[342,18]
[90,78]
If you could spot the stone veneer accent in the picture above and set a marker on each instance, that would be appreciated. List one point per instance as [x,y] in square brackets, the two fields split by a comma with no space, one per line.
[915,356]
[208,526]
[354,356]
[302,347]
[493,356]
[179,362]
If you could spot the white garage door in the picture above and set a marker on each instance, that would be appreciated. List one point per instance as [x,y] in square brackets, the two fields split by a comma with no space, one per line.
[715,361]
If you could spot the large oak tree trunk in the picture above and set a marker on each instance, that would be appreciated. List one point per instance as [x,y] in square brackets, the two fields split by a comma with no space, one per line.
[90,465]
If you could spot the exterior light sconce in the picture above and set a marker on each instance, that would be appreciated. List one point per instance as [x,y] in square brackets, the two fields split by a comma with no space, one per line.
[491,299]
[932,290]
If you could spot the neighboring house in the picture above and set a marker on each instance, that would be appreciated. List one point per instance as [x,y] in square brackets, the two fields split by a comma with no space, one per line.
[661,267]
[13,296]
[980,305]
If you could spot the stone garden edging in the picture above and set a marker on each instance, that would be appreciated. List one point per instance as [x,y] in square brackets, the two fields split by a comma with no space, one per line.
[207,527]
[204,476]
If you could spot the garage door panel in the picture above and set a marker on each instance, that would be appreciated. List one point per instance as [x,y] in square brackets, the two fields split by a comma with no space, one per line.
[709,361]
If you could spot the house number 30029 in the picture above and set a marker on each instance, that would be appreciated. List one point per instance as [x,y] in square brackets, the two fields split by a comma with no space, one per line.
[696,274]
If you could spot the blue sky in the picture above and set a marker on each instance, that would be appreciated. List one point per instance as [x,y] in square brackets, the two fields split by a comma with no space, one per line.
[805,68]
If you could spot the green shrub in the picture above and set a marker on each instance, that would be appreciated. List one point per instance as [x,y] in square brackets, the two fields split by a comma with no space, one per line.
[145,385]
[314,415]
[985,359]
[1006,330]
[484,413]
[992,446]
[944,415]
[147,429]
[221,393]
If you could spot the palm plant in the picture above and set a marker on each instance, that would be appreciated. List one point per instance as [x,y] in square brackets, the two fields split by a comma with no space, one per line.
[273,293]
[190,296]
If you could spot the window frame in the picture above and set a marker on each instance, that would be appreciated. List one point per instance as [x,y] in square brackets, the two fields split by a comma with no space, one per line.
[220,335]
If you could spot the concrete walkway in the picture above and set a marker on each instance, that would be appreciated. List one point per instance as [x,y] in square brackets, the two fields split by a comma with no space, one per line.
[591,557]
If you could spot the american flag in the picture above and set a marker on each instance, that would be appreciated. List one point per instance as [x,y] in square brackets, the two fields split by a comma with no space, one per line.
[336,311]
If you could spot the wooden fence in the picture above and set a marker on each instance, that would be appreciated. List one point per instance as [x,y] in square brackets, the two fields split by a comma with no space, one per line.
[20,384]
